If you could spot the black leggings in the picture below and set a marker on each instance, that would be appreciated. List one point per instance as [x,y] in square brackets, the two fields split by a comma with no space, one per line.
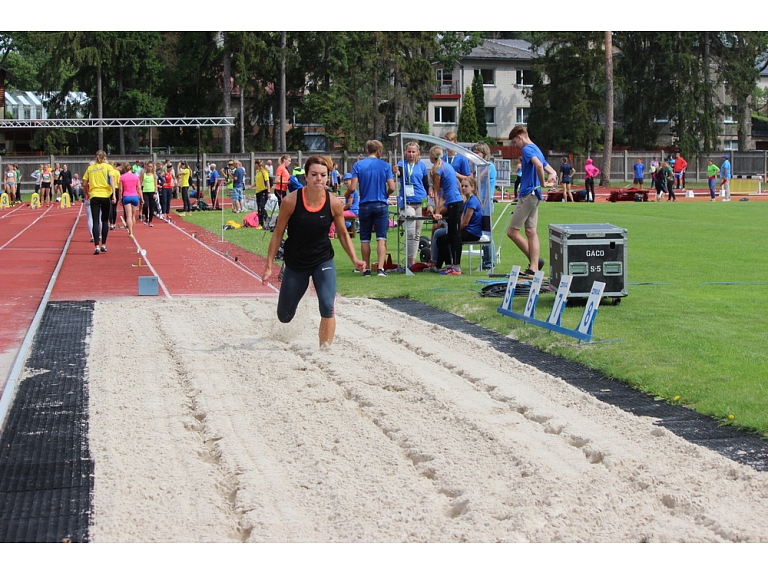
[589,185]
[165,200]
[149,206]
[112,214]
[100,212]
[445,250]
[453,237]
[185,198]
[261,206]
[214,197]
[671,190]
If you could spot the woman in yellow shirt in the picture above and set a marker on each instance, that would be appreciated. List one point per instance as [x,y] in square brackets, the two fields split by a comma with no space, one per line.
[99,189]
[261,183]
[184,172]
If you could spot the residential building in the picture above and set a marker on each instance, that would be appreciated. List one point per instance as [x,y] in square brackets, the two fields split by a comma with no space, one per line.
[506,68]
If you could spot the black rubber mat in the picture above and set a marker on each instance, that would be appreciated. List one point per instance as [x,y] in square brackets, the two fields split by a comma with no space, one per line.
[46,471]
[736,444]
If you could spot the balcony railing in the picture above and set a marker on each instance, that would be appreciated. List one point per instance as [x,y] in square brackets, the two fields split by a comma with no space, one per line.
[446,87]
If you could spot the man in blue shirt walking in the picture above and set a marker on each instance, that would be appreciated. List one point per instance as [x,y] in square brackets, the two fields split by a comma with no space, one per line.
[526,214]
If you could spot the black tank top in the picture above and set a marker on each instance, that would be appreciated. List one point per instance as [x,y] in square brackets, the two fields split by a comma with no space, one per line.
[308,244]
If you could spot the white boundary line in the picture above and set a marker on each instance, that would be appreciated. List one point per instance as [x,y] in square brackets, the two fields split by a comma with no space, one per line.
[13,211]
[29,226]
[21,356]
[225,258]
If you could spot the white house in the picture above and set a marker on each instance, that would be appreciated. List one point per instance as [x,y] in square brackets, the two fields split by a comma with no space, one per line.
[505,66]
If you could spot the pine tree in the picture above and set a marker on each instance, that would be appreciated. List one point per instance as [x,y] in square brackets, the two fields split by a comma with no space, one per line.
[479,93]
[467,131]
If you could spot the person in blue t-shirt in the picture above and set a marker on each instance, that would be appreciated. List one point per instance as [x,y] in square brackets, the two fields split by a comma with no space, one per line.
[486,190]
[448,206]
[459,163]
[566,173]
[471,225]
[639,171]
[725,173]
[335,178]
[374,176]
[526,214]
[352,205]
[214,183]
[238,187]
[412,199]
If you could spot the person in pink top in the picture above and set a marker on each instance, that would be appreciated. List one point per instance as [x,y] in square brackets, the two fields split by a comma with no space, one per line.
[130,196]
[591,171]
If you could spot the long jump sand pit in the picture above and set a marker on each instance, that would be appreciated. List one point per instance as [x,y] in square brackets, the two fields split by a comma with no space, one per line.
[210,421]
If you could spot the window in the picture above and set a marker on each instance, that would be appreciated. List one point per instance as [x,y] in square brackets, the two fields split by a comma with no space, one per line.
[731,145]
[489,76]
[445,114]
[525,77]
[444,77]
[729,115]
[522,115]
[490,115]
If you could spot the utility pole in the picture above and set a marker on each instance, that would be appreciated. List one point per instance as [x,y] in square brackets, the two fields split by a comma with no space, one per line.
[281,141]
[605,176]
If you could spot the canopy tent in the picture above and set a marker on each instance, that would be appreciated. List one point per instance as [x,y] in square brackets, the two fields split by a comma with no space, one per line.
[480,166]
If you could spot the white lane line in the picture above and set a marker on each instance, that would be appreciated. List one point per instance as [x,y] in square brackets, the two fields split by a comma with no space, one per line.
[29,226]
[21,356]
[237,264]
[13,211]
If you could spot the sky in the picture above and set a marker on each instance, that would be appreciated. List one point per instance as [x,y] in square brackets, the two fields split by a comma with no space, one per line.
[391,15]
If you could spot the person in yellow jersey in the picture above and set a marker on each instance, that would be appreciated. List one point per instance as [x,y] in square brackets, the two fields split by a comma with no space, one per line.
[101,193]
[184,172]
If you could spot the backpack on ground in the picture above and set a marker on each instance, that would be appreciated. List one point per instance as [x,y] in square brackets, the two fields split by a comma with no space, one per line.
[251,220]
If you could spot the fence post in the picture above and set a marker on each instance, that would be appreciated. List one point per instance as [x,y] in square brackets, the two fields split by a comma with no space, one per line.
[626,156]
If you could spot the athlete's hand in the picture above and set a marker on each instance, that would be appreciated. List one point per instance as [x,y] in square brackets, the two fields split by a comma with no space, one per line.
[551,182]
[267,273]
[360,265]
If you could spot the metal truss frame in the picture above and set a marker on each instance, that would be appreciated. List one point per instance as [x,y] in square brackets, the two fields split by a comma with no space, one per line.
[193,122]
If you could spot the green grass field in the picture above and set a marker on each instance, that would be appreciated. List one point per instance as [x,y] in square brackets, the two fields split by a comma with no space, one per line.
[690,331]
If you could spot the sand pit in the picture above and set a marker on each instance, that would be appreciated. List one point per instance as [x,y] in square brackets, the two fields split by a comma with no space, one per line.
[210,421]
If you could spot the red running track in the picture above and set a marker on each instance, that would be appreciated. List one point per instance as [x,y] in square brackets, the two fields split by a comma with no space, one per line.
[188,261]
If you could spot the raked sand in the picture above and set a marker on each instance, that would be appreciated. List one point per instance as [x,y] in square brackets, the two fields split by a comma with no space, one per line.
[210,421]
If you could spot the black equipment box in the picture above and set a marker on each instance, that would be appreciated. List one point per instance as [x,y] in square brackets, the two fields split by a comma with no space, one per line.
[589,252]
